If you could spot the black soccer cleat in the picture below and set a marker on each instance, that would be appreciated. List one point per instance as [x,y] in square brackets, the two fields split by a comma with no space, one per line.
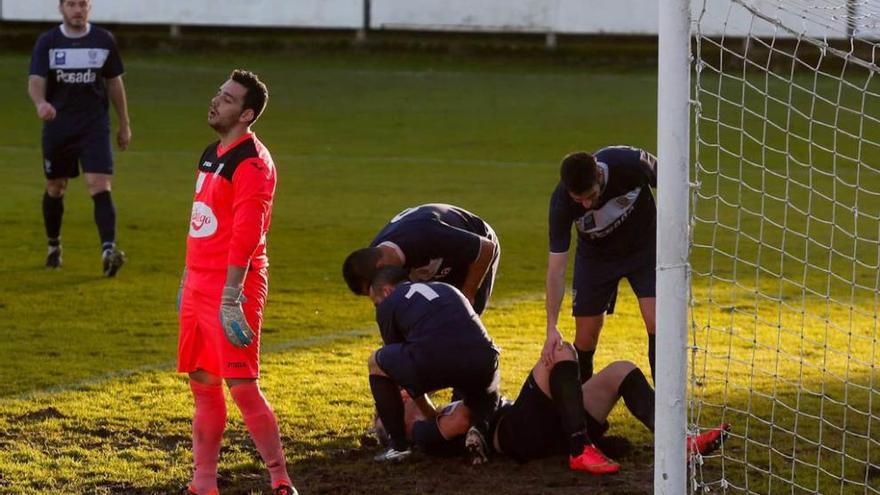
[113,260]
[284,490]
[53,258]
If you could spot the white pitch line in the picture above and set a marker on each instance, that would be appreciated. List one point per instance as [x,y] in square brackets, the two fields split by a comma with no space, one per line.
[303,343]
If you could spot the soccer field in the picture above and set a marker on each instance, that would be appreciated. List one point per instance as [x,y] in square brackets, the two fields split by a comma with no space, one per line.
[90,402]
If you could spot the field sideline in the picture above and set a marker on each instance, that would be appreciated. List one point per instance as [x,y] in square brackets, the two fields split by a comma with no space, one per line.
[91,404]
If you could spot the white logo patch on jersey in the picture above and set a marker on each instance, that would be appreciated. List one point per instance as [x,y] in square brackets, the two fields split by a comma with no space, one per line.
[202,222]
[78,58]
[601,222]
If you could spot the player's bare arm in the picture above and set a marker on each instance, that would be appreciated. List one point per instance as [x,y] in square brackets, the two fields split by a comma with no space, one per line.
[477,270]
[37,92]
[116,92]
[426,407]
[555,291]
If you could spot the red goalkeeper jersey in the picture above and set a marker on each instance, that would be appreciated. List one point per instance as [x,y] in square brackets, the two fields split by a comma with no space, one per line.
[232,207]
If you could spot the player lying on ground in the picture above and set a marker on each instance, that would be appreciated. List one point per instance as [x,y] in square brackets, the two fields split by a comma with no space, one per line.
[434,242]
[433,340]
[547,419]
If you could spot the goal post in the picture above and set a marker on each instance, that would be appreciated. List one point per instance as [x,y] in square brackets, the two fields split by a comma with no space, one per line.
[673,146]
[768,262]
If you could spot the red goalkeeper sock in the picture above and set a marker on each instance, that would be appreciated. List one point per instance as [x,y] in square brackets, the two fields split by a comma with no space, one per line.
[209,421]
[263,427]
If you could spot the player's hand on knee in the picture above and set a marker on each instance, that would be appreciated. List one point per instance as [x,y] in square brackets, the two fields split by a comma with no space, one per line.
[46,111]
[232,319]
[551,346]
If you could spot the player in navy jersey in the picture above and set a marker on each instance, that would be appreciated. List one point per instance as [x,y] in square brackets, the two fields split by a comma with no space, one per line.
[552,415]
[433,340]
[434,242]
[608,198]
[75,68]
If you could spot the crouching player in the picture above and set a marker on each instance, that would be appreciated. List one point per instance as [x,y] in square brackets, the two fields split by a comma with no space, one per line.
[433,340]
[226,282]
[543,421]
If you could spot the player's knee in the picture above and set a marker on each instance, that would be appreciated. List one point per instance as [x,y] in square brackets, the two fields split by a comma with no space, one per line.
[373,365]
[56,187]
[566,352]
[97,183]
[621,368]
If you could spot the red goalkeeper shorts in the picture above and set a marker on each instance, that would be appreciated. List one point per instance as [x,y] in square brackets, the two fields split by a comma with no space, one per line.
[202,344]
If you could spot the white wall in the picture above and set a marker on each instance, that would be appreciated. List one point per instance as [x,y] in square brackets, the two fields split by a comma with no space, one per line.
[296,13]
[817,17]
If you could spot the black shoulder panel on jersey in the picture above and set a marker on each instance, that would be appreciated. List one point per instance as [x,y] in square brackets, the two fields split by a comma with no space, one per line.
[233,158]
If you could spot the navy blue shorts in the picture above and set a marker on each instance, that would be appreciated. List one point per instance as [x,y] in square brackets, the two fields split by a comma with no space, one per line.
[596,280]
[473,374]
[531,428]
[65,152]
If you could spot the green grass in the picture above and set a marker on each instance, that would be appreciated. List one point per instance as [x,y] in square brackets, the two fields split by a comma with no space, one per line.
[89,402]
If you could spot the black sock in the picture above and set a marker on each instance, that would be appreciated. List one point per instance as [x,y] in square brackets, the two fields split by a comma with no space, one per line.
[568,398]
[389,406]
[105,219]
[585,360]
[652,352]
[638,396]
[53,210]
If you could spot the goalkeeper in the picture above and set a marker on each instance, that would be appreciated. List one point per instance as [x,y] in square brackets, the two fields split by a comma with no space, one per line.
[225,284]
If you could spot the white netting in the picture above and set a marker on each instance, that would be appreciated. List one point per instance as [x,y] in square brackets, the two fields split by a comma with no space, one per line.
[785,257]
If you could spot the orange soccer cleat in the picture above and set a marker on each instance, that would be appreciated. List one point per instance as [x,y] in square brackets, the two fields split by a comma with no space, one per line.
[593,461]
[189,490]
[707,441]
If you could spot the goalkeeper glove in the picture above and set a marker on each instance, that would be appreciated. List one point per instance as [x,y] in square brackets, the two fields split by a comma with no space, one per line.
[232,319]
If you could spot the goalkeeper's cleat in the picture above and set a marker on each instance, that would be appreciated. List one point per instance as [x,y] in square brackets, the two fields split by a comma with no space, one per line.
[53,258]
[284,490]
[475,443]
[393,455]
[113,260]
[707,441]
[189,490]
[593,461]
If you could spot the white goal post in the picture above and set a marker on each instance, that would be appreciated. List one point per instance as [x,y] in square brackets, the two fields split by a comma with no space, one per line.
[768,261]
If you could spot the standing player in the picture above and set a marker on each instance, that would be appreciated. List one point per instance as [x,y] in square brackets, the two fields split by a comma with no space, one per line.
[74,68]
[225,284]
[608,198]
[434,242]
[433,340]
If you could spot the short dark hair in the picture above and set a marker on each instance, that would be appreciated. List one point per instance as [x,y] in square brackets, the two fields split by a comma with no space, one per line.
[579,172]
[389,275]
[359,268]
[257,93]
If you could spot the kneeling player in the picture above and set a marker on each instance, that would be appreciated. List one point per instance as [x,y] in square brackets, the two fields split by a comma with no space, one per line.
[542,422]
[433,340]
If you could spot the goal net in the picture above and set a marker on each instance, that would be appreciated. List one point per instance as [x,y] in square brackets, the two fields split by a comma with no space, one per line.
[785,250]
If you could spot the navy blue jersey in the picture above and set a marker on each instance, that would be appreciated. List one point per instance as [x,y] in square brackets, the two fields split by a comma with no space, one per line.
[623,220]
[434,318]
[75,69]
[437,241]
